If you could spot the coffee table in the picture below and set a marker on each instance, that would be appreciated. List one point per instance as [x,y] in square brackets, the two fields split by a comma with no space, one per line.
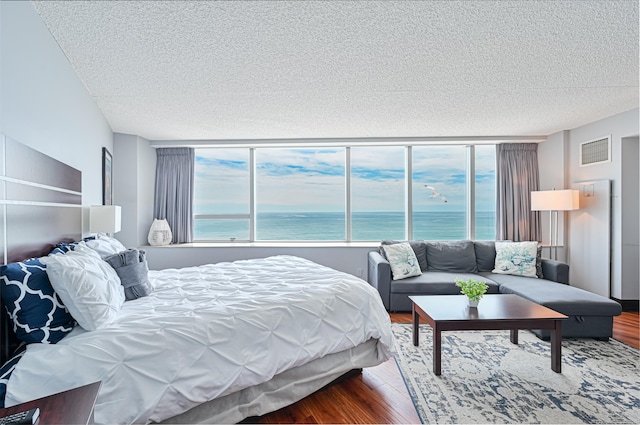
[495,312]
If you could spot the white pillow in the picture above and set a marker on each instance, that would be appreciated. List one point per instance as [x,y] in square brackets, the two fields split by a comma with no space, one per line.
[105,245]
[403,260]
[516,258]
[88,286]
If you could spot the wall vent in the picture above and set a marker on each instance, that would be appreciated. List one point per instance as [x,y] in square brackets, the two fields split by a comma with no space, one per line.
[595,151]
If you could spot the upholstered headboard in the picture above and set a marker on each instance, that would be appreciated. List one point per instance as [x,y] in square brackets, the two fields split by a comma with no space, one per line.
[40,205]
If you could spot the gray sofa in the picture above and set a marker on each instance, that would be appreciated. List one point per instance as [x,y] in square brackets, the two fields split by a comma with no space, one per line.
[441,262]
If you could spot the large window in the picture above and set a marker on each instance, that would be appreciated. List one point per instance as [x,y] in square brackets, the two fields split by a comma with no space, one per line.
[377,193]
[485,192]
[300,194]
[439,187]
[359,193]
[222,194]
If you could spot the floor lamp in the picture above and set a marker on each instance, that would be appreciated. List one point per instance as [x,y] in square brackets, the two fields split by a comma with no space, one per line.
[554,201]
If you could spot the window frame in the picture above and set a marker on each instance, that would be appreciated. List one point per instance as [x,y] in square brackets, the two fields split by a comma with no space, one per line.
[470,194]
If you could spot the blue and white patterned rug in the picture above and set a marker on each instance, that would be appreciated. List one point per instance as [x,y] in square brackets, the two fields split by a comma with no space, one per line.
[486,379]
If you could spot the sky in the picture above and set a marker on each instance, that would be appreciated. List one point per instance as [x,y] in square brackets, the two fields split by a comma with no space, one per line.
[312,179]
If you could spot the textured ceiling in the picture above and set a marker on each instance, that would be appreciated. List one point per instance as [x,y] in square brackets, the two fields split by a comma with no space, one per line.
[168,70]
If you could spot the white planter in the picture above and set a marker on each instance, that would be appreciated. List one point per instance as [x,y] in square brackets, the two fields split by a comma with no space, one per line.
[160,233]
[473,304]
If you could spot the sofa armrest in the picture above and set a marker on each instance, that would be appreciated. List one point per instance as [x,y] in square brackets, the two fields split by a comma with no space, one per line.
[379,276]
[555,270]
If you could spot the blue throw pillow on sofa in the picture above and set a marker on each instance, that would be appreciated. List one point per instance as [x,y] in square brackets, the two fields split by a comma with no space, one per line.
[36,311]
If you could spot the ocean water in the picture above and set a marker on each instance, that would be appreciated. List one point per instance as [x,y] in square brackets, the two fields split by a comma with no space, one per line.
[369,226]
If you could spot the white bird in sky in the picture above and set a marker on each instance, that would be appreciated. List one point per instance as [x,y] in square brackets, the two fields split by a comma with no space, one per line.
[435,193]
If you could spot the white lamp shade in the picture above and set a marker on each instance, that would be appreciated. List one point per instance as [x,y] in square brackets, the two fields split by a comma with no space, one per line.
[104,219]
[555,200]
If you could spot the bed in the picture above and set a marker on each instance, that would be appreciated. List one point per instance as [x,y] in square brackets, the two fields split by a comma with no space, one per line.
[214,344]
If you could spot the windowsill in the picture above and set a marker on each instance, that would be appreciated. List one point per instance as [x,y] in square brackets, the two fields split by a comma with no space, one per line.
[269,244]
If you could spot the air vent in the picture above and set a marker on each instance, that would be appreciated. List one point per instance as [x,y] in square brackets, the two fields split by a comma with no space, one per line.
[595,151]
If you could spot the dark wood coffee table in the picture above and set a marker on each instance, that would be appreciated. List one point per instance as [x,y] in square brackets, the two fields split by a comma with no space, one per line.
[495,312]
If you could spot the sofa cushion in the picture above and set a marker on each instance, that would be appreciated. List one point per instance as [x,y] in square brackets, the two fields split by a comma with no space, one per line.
[451,256]
[419,248]
[516,258]
[402,260]
[485,255]
[563,298]
[438,283]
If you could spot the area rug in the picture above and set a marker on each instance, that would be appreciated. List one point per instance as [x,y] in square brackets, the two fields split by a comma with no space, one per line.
[487,379]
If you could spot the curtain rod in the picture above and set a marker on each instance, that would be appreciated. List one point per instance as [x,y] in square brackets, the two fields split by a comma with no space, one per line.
[349,141]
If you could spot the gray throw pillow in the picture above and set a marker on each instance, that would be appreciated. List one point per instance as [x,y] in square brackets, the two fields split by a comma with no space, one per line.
[419,248]
[451,256]
[485,255]
[132,269]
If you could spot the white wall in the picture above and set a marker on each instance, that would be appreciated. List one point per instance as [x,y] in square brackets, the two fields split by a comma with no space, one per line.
[621,126]
[44,104]
[134,166]
[146,187]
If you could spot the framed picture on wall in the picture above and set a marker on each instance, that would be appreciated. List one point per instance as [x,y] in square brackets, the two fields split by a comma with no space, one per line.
[107,177]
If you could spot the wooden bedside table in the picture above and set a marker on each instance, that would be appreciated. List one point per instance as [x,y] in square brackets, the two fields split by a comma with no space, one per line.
[74,406]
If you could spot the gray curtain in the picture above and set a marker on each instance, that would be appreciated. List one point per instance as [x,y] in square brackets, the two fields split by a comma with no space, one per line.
[516,176]
[174,191]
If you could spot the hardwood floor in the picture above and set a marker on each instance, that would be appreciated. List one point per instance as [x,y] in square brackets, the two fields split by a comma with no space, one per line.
[379,395]
[625,328]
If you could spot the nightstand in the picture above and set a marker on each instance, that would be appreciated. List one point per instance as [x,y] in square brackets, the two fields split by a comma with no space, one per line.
[74,406]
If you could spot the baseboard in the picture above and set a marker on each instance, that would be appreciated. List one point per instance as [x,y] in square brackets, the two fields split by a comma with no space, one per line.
[628,305]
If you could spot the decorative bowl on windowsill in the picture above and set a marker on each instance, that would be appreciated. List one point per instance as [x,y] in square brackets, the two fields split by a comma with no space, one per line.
[473,289]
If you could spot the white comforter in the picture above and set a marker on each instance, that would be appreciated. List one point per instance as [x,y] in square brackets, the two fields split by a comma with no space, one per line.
[206,332]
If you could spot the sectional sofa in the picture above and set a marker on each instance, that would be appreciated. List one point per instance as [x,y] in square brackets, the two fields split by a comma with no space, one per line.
[441,262]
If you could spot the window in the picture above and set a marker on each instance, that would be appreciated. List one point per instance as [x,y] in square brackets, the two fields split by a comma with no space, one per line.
[485,192]
[221,194]
[439,192]
[300,194]
[357,193]
[377,193]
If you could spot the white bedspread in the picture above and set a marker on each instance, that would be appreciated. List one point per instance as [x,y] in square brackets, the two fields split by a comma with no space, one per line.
[205,332]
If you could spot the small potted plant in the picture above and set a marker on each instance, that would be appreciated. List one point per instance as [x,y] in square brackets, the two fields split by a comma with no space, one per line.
[473,289]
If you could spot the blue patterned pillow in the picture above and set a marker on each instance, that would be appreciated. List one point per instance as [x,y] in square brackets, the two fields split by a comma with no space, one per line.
[517,258]
[7,369]
[58,250]
[37,313]
[402,260]
[64,247]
